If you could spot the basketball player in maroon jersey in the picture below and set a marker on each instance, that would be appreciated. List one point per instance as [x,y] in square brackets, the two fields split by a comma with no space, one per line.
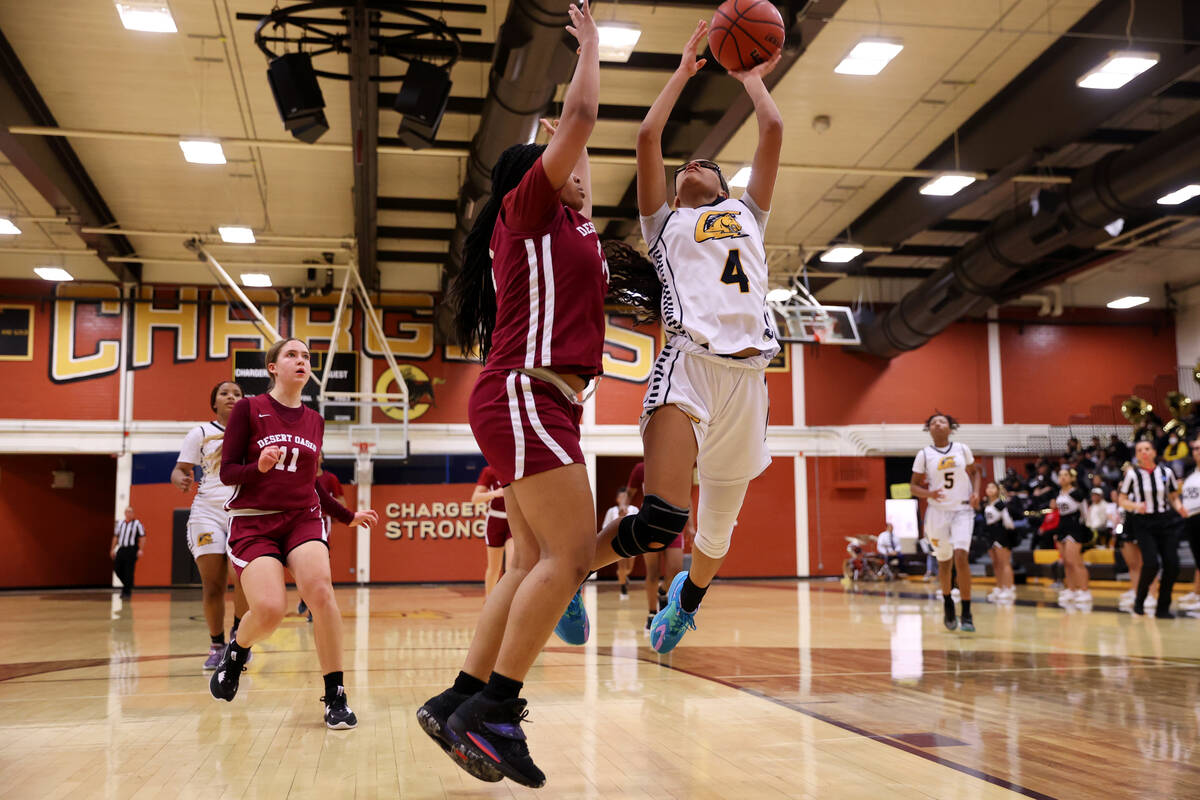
[489,489]
[540,334]
[270,455]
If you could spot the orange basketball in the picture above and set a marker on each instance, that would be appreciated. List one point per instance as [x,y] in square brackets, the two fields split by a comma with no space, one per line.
[745,33]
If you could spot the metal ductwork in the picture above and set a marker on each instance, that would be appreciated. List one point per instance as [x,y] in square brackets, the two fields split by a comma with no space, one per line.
[1123,184]
[533,55]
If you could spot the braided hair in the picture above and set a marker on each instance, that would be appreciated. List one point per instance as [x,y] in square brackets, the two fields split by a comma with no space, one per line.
[632,281]
[472,296]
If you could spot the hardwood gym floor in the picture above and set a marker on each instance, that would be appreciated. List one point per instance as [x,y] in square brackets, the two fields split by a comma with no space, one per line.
[788,689]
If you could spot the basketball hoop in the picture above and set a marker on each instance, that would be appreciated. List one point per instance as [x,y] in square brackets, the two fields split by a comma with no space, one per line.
[365,441]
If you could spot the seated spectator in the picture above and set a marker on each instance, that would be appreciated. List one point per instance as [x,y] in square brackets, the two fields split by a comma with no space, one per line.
[1099,516]
[1117,449]
[1175,454]
[1042,489]
[887,544]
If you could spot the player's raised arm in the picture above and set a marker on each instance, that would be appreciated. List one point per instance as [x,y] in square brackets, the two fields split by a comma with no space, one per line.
[651,175]
[581,104]
[770,133]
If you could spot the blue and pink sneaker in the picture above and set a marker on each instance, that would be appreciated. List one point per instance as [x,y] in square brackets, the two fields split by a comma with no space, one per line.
[670,624]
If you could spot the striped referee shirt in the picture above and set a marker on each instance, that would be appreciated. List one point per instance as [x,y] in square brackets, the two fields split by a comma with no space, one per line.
[1152,487]
[128,533]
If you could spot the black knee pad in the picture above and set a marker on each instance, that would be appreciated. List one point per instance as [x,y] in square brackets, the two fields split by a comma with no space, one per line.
[651,529]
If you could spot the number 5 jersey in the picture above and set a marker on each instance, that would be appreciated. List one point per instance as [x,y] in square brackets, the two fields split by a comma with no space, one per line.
[945,468]
[713,268]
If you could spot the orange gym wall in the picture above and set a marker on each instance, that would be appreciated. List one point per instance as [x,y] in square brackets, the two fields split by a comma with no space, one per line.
[764,539]
[951,372]
[56,537]
[1105,361]
[155,505]
[854,508]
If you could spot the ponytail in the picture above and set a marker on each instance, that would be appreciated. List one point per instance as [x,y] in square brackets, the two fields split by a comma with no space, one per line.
[472,294]
[632,281]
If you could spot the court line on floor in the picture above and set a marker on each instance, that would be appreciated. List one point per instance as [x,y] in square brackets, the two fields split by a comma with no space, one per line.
[995,780]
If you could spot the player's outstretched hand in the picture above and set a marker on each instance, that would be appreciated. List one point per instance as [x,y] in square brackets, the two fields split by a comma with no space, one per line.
[183,482]
[550,126]
[759,71]
[689,65]
[269,457]
[582,26]
[368,518]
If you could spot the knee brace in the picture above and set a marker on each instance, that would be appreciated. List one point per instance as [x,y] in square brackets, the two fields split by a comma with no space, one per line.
[651,529]
[719,507]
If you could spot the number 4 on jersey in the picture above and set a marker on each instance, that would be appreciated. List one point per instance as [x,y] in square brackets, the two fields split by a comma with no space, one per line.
[733,272]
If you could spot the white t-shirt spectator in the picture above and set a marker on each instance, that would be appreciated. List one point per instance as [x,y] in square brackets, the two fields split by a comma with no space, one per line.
[1191,494]
[615,513]
[1099,515]
[888,544]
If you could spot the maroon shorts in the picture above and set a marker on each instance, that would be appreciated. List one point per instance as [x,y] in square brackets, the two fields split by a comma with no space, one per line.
[523,425]
[273,535]
[497,531]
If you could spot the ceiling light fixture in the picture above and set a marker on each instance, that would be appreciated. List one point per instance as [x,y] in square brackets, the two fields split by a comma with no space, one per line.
[1129,302]
[780,295]
[869,57]
[841,254]
[947,184]
[146,16]
[1118,69]
[741,178]
[256,279]
[1181,195]
[202,151]
[53,274]
[7,228]
[617,40]
[236,234]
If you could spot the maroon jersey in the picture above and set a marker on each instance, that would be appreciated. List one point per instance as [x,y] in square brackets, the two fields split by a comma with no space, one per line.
[637,477]
[551,278]
[489,480]
[257,423]
[330,483]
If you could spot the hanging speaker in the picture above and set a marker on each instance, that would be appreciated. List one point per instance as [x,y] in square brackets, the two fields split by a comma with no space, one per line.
[298,96]
[422,100]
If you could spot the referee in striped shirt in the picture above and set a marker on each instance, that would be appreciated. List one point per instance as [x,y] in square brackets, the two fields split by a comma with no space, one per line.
[1150,497]
[126,550]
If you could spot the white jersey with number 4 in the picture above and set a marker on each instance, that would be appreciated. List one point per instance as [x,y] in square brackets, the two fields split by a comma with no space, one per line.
[713,269]
[945,468]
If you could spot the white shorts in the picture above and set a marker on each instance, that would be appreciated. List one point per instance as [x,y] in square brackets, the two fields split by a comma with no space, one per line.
[949,529]
[207,532]
[728,405]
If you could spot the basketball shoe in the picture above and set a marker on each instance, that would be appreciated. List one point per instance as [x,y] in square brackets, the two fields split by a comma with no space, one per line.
[672,622]
[214,656]
[573,627]
[338,715]
[224,683]
[489,731]
[433,717]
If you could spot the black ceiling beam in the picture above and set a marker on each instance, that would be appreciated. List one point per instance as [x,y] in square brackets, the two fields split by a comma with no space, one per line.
[1126,137]
[717,94]
[459,144]
[435,204]
[1182,90]
[51,166]
[1039,112]
[922,251]
[411,232]
[608,112]
[960,225]
[412,256]
[461,8]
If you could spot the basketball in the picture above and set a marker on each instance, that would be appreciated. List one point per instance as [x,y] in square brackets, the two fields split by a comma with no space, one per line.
[745,33]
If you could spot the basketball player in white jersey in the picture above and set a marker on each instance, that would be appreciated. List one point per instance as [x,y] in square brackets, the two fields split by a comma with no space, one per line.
[208,521]
[706,405]
[945,474]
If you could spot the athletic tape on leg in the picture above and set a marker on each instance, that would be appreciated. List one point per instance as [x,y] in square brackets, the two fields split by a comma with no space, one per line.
[651,529]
